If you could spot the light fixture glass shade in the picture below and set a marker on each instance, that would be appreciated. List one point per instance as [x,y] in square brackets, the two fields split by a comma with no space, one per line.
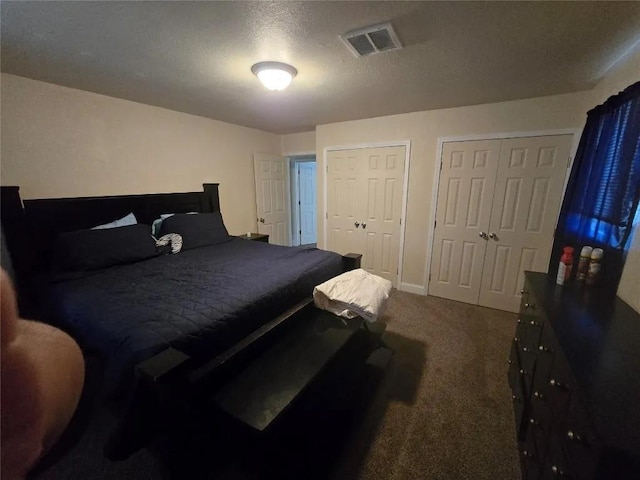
[274,75]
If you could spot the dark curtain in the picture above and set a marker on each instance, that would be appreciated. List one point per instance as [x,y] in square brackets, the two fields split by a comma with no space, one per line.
[604,187]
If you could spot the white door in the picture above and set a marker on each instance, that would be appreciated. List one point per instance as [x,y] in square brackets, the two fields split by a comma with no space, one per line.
[344,168]
[272,203]
[463,211]
[307,202]
[525,209]
[498,203]
[365,190]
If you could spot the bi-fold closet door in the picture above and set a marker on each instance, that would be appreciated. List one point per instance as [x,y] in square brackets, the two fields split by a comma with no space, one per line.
[364,206]
[498,202]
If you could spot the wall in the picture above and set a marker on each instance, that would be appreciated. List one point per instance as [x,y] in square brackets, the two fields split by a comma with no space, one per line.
[58,141]
[423,130]
[62,142]
[297,143]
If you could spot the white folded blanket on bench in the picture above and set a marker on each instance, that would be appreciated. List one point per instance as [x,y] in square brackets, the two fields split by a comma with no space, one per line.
[352,294]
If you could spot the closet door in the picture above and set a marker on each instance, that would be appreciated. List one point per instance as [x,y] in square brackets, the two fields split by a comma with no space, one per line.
[463,211]
[381,210]
[364,189]
[344,189]
[525,210]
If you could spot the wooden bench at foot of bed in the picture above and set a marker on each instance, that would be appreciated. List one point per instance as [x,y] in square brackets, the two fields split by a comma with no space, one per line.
[268,370]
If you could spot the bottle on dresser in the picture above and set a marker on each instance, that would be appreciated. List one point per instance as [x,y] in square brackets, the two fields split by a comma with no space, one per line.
[594,266]
[564,269]
[583,263]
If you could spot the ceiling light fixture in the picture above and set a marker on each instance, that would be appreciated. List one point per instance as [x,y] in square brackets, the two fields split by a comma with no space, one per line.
[274,75]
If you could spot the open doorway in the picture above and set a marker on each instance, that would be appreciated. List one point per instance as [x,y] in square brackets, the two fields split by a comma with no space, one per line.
[303,200]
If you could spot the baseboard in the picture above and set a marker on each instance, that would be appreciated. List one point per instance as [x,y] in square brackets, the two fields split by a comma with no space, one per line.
[411,288]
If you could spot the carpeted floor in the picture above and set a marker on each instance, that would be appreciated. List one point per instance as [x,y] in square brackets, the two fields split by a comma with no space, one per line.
[441,410]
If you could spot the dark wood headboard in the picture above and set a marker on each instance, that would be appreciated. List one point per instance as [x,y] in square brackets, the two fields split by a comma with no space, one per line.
[30,227]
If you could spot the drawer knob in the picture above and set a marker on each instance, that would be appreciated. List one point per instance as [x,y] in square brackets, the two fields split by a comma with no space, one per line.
[519,321]
[535,324]
[558,472]
[532,421]
[527,454]
[516,339]
[554,383]
[574,437]
[515,399]
[530,305]
[523,291]
[509,361]
[538,395]
[544,349]
[523,371]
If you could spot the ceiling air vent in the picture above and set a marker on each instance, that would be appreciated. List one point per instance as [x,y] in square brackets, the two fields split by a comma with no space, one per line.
[371,40]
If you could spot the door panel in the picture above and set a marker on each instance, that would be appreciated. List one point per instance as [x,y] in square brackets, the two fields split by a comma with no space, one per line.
[384,175]
[528,192]
[365,187]
[343,169]
[272,206]
[463,211]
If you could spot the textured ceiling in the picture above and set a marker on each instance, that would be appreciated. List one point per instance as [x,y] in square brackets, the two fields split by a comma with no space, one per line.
[196,57]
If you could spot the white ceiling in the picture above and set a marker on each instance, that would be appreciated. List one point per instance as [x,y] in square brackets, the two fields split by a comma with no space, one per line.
[196,57]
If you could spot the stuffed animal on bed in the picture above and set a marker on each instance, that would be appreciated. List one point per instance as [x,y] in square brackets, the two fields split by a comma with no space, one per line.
[42,371]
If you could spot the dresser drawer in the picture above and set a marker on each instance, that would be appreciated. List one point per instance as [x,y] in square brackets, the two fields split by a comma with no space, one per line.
[560,386]
[546,350]
[540,422]
[517,391]
[529,304]
[528,331]
[514,366]
[526,355]
[530,458]
[531,319]
[579,440]
[556,466]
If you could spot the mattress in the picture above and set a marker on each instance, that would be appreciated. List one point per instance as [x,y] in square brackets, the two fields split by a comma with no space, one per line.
[200,301]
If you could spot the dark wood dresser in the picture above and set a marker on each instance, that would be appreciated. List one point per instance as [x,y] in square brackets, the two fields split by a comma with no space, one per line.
[574,372]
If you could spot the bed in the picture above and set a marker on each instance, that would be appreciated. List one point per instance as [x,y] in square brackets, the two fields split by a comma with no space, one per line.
[193,311]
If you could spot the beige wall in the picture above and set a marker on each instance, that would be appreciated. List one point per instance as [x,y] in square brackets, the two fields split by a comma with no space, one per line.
[62,142]
[297,143]
[58,141]
[423,129]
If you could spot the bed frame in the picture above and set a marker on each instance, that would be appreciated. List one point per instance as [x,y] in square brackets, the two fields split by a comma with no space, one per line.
[30,228]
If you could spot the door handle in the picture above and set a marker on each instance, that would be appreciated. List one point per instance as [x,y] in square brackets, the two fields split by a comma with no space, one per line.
[261,220]
[364,225]
[357,224]
[493,236]
[482,235]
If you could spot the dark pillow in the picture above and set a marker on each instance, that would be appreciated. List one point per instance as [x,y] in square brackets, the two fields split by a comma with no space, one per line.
[196,230]
[92,249]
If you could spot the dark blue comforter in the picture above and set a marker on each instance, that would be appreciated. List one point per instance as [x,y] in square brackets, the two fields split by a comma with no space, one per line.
[200,301]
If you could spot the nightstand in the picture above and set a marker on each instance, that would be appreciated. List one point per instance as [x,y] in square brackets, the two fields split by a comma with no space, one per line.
[258,237]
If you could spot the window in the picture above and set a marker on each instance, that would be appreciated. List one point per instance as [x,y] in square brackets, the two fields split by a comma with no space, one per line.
[605,180]
[604,187]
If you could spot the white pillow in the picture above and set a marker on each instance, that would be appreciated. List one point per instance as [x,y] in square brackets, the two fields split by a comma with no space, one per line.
[121,222]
